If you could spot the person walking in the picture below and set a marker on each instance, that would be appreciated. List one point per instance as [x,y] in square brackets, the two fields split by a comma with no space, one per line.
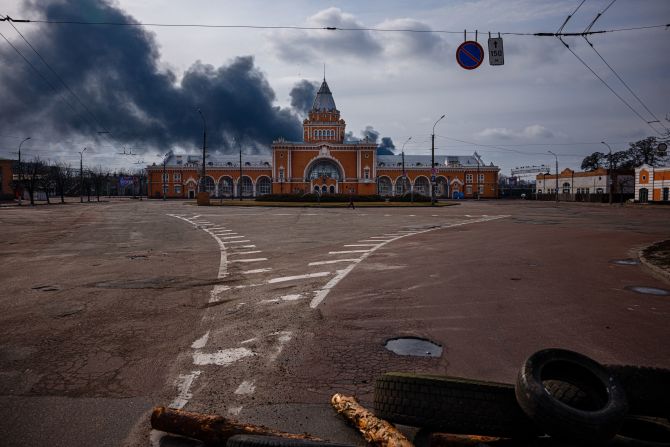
[351,199]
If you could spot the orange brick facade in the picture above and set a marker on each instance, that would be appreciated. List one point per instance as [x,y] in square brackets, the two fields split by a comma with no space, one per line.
[325,163]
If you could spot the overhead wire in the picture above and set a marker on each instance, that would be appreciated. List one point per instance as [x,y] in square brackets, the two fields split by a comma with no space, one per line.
[584,34]
[310,28]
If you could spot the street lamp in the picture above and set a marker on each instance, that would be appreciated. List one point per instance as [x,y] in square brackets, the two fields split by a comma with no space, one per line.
[81,176]
[432,164]
[21,169]
[403,165]
[204,144]
[610,176]
[556,156]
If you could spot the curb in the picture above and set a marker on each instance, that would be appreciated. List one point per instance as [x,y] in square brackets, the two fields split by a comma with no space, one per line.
[657,271]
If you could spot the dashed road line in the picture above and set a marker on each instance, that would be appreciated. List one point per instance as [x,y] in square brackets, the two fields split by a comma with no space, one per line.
[347,251]
[292,278]
[251,272]
[247,252]
[184,383]
[334,261]
[249,260]
[237,242]
[359,245]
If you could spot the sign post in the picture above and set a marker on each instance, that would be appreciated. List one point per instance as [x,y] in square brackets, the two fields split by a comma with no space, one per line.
[496,54]
[470,55]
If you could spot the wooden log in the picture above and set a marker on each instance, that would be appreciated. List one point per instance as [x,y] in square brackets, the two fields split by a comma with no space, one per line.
[376,431]
[210,428]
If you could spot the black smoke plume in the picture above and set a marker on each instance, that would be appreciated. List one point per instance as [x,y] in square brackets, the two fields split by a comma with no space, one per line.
[302,96]
[115,71]
[370,134]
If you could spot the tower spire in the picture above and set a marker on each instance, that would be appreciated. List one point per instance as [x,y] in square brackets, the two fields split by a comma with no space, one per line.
[324,71]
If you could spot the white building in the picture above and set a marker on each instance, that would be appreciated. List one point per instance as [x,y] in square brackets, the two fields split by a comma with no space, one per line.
[590,182]
[652,184]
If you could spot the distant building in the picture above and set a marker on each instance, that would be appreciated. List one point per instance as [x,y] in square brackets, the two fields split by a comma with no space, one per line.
[571,183]
[6,178]
[325,163]
[652,184]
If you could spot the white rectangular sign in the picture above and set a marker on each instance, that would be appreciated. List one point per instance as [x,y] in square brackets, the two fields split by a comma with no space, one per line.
[496,55]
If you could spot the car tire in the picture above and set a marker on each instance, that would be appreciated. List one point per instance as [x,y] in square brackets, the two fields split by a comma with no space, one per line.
[642,431]
[594,419]
[451,404]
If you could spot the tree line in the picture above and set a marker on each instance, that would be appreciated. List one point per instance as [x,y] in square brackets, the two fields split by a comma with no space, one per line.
[57,180]
[652,151]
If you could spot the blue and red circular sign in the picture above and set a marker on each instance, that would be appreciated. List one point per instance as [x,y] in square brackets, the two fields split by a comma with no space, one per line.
[470,55]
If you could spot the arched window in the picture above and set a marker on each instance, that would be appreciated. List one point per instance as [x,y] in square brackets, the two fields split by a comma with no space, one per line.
[317,190]
[566,188]
[324,189]
[246,187]
[421,186]
[324,168]
[384,186]
[332,189]
[263,186]
[208,184]
[366,173]
[402,186]
[226,187]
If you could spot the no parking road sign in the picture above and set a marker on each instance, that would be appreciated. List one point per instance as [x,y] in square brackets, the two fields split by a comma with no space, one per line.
[470,55]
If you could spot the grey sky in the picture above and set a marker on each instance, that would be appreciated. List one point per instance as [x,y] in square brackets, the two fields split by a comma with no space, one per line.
[542,99]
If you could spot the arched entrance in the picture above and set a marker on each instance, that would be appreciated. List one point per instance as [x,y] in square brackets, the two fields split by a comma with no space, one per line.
[644,195]
[441,187]
[385,188]
[324,168]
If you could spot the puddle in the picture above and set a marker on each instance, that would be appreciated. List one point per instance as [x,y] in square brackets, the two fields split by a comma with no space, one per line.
[419,347]
[627,261]
[648,290]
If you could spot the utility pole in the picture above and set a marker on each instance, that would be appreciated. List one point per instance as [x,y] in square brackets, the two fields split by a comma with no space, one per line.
[81,176]
[165,159]
[556,156]
[404,176]
[477,160]
[610,176]
[21,170]
[240,180]
[204,145]
[432,164]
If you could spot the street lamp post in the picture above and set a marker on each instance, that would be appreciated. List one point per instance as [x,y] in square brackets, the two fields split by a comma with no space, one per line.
[610,176]
[556,156]
[21,169]
[432,164]
[240,180]
[204,145]
[403,166]
[81,175]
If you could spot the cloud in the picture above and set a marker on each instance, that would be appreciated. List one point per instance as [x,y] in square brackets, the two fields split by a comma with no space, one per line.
[411,45]
[534,131]
[302,96]
[116,73]
[364,45]
[324,44]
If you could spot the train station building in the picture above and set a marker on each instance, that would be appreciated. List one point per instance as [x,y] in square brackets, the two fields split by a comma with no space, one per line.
[324,162]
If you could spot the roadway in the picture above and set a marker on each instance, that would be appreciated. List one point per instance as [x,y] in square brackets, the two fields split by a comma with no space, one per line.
[263,313]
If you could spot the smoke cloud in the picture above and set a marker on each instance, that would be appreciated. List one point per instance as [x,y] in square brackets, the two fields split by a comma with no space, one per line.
[302,96]
[384,148]
[115,71]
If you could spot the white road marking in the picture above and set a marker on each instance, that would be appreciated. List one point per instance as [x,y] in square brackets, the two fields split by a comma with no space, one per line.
[245,387]
[321,294]
[201,342]
[249,260]
[223,357]
[347,251]
[235,411]
[292,297]
[332,261]
[232,237]
[237,242]
[248,341]
[250,272]
[291,278]
[216,291]
[245,246]
[184,383]
[284,337]
[412,215]
[246,252]
[359,245]
[434,215]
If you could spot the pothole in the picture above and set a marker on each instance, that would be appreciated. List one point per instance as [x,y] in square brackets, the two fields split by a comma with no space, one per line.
[648,290]
[627,261]
[419,347]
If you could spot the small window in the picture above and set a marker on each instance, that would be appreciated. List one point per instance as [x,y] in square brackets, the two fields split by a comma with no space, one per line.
[381,164]
[418,163]
[481,189]
[481,178]
[367,155]
[366,173]
[468,178]
[177,176]
[246,163]
[229,164]
[177,189]
[468,189]
[166,177]
[209,163]
[266,164]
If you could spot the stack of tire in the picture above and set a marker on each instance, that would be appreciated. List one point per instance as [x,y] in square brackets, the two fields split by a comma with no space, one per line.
[559,393]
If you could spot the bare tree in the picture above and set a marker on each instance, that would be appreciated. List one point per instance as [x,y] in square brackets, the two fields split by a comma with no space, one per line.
[63,177]
[34,170]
